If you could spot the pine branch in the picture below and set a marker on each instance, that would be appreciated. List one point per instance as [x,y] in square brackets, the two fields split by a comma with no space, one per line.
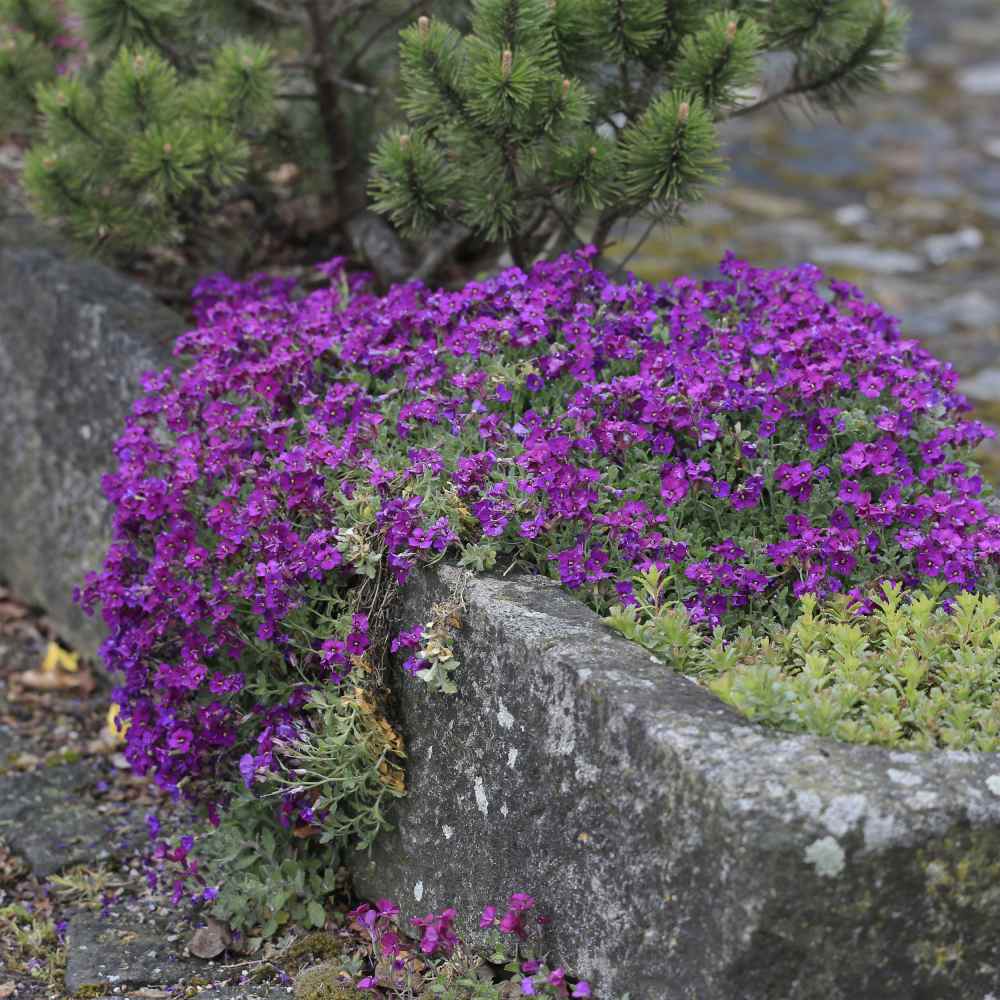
[857,70]
[281,14]
[382,29]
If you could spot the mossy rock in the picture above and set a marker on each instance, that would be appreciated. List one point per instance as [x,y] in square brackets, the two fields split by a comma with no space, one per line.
[323,982]
[315,946]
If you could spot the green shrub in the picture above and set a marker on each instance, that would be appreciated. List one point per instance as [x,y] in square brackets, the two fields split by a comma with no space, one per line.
[551,120]
[916,672]
[533,125]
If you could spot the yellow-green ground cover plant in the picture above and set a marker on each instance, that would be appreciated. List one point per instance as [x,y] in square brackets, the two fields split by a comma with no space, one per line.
[913,671]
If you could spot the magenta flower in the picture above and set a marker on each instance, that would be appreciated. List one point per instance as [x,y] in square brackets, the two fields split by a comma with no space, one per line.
[521,901]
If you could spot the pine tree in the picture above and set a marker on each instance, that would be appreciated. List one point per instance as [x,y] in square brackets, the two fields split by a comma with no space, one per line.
[530,125]
[178,106]
[551,120]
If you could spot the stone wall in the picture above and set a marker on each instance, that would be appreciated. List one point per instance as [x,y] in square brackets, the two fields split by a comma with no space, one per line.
[683,852]
[74,338]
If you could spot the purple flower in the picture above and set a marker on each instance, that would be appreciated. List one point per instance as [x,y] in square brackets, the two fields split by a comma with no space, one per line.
[248,767]
[312,438]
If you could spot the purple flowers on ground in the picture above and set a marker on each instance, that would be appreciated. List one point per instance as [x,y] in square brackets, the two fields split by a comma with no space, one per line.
[439,941]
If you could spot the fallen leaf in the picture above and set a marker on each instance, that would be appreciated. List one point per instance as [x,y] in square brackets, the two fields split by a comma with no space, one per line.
[209,941]
[7,989]
[12,611]
[114,729]
[55,680]
[150,993]
[57,658]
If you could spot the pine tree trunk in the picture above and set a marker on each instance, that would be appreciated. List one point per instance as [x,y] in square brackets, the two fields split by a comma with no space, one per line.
[348,180]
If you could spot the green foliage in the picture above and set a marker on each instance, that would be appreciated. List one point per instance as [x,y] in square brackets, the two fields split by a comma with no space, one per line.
[24,63]
[267,876]
[536,125]
[170,110]
[30,946]
[134,153]
[114,24]
[911,674]
[346,763]
[549,117]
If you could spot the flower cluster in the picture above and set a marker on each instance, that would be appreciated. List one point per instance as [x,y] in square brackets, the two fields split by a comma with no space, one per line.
[397,965]
[753,438]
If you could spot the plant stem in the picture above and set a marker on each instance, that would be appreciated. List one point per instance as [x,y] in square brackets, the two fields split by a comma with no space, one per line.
[349,195]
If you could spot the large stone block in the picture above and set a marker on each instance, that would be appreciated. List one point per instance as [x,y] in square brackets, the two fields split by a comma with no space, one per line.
[682,851]
[74,338]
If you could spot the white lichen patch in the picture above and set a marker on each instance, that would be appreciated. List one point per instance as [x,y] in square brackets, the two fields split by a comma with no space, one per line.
[844,812]
[826,856]
[993,783]
[809,803]
[880,829]
[512,759]
[907,778]
[561,735]
[504,717]
[418,891]
[482,803]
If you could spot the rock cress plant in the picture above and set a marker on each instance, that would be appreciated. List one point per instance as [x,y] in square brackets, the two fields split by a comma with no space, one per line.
[754,438]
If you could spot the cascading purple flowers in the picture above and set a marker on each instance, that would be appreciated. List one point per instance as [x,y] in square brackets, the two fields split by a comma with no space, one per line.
[758,437]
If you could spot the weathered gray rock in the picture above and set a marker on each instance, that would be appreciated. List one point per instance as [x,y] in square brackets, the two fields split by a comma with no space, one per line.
[117,952]
[982,80]
[682,852]
[946,247]
[984,385]
[866,258]
[74,338]
[45,818]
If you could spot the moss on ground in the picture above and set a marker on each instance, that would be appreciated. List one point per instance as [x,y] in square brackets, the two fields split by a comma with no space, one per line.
[325,982]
